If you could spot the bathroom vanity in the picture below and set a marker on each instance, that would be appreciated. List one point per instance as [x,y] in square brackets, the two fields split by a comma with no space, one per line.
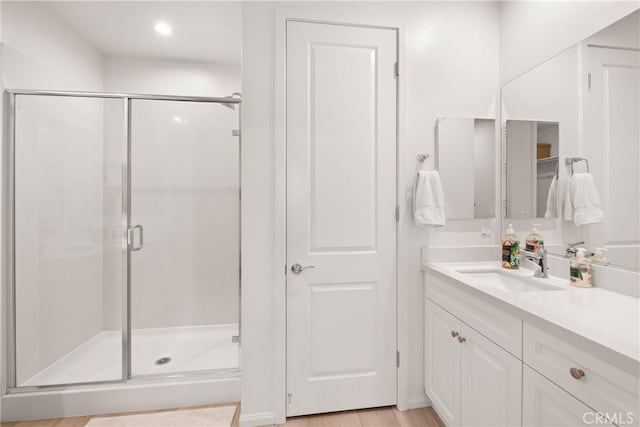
[505,348]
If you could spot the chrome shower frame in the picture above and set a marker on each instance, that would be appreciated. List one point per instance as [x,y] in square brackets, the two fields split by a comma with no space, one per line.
[9,385]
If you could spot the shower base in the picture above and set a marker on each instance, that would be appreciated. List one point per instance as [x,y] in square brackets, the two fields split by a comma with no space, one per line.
[182,349]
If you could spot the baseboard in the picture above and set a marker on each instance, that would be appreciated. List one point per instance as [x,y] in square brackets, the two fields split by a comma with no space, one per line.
[420,401]
[257,419]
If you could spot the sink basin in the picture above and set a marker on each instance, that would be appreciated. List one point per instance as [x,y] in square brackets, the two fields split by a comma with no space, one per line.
[503,281]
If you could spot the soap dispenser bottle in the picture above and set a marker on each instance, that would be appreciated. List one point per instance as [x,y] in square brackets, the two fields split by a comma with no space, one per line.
[580,270]
[534,240]
[510,250]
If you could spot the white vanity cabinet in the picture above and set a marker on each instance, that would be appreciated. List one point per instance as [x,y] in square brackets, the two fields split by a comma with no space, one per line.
[442,362]
[485,365]
[597,383]
[470,379]
[546,404]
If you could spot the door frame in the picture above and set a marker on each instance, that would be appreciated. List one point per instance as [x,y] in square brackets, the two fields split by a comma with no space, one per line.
[403,401]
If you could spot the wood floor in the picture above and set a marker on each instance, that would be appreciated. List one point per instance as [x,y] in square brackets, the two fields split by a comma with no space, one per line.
[378,417]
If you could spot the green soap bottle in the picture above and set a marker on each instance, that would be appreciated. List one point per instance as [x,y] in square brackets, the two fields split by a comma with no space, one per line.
[510,250]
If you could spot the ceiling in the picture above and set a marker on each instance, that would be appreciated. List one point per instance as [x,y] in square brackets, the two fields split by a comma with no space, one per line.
[202,31]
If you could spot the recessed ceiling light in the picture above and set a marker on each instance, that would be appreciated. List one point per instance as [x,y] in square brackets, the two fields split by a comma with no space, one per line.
[163,28]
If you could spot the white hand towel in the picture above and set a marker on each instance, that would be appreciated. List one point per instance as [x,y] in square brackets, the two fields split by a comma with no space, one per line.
[582,202]
[552,199]
[428,200]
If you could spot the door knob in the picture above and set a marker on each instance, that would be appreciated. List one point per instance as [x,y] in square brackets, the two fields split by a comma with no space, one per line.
[297,268]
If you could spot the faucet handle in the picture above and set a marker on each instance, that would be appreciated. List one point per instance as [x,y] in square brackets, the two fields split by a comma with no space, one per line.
[572,249]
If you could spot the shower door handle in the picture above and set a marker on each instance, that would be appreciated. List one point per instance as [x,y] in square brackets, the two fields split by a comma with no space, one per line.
[131,237]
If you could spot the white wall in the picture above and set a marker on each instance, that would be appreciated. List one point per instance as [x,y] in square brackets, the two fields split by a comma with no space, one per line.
[450,54]
[533,31]
[170,77]
[41,52]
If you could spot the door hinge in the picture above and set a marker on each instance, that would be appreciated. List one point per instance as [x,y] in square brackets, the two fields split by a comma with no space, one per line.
[289,398]
[396,70]
[397,213]
[285,269]
[589,82]
[397,359]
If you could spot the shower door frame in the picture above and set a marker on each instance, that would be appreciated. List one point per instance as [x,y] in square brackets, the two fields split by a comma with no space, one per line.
[8,238]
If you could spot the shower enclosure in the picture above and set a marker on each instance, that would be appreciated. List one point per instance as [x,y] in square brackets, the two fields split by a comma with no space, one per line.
[122,216]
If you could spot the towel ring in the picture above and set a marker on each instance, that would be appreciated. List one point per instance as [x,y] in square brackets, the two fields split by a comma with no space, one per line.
[571,160]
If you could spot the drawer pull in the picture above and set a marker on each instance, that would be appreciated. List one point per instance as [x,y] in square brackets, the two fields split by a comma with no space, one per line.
[576,373]
[454,334]
[461,339]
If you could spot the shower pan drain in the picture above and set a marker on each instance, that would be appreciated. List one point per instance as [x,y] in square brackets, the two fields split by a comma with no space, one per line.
[163,360]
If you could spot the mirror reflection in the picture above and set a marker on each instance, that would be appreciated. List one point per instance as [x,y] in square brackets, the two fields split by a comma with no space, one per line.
[466,162]
[586,104]
[532,149]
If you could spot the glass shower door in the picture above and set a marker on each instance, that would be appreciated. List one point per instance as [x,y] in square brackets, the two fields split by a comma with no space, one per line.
[69,240]
[185,215]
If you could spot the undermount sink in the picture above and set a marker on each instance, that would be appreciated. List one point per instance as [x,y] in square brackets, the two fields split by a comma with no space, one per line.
[503,281]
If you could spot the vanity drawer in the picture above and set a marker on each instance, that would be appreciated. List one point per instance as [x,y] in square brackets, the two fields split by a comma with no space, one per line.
[600,385]
[546,404]
[499,326]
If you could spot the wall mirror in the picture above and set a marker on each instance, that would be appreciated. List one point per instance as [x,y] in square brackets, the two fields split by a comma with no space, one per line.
[532,149]
[585,103]
[466,162]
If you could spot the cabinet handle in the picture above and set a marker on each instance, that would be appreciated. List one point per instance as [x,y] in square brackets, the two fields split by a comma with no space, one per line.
[461,339]
[576,373]
[454,334]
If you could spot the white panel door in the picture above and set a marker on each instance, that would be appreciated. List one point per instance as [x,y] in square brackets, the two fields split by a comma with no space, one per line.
[341,198]
[545,404]
[491,387]
[442,362]
[612,145]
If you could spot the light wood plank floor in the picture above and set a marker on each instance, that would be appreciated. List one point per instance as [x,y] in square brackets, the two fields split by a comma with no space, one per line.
[377,417]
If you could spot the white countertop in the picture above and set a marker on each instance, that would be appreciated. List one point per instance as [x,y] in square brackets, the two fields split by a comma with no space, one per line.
[607,318]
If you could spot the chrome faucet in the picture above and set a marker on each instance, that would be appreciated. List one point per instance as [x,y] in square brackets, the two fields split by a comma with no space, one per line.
[572,249]
[539,258]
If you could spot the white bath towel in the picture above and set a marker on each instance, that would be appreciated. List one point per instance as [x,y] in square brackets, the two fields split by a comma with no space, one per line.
[582,202]
[428,200]
[552,199]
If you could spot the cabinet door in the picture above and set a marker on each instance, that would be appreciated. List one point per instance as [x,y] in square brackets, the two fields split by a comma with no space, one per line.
[491,387]
[546,404]
[442,362]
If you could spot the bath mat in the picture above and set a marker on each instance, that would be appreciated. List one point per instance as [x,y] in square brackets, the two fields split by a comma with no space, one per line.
[220,416]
